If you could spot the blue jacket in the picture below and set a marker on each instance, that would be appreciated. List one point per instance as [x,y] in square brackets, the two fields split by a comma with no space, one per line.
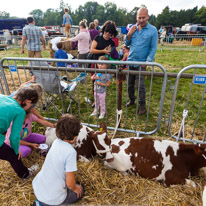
[143,44]
[61,54]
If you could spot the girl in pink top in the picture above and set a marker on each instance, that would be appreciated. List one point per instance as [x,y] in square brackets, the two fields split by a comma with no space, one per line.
[83,39]
[29,139]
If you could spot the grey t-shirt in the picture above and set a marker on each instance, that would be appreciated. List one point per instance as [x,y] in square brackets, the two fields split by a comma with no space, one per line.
[68,18]
[104,78]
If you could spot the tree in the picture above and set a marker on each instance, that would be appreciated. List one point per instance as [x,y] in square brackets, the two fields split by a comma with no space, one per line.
[50,17]
[90,9]
[131,16]
[38,16]
[200,16]
[152,19]
[4,15]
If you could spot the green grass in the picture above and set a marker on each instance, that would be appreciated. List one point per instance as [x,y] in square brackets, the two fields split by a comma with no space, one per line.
[173,62]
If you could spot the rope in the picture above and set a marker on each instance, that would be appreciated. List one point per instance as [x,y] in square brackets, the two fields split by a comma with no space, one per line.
[119,112]
[101,151]
[182,127]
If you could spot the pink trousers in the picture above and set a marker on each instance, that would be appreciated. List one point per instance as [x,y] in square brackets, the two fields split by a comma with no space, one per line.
[99,99]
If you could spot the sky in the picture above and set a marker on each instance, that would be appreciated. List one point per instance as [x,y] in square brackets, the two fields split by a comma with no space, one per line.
[22,8]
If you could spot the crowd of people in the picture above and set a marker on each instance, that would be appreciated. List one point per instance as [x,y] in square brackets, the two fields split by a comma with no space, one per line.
[18,110]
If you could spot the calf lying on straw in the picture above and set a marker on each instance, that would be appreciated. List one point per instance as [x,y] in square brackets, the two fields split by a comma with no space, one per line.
[162,160]
[84,146]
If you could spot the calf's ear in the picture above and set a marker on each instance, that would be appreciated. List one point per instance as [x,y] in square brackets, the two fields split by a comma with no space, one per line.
[103,127]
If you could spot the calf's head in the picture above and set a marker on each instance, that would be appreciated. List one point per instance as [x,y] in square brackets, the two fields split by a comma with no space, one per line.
[102,143]
[200,150]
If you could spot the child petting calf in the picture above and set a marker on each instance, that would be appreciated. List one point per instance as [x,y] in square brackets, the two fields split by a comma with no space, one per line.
[29,139]
[55,184]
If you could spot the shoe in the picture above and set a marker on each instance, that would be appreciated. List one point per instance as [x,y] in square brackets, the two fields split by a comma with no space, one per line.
[93,105]
[36,203]
[129,103]
[33,169]
[93,114]
[101,116]
[142,110]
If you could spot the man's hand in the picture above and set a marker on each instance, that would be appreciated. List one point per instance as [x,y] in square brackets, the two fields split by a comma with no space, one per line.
[131,31]
[22,51]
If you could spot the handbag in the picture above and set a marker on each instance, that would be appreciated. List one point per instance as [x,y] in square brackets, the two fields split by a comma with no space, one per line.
[90,56]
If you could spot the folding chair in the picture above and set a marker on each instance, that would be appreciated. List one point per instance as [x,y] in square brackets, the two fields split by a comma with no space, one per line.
[54,87]
[80,78]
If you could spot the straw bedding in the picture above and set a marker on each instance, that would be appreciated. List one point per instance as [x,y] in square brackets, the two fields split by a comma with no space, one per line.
[103,186]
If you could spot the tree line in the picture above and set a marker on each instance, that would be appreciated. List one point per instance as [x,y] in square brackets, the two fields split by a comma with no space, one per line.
[109,11]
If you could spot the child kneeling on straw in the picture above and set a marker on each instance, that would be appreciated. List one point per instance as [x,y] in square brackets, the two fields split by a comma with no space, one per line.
[55,184]
[28,138]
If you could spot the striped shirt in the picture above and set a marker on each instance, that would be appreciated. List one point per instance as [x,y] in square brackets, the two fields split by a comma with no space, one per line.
[33,35]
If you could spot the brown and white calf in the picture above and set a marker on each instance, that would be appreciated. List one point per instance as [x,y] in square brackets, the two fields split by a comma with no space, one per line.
[162,160]
[84,146]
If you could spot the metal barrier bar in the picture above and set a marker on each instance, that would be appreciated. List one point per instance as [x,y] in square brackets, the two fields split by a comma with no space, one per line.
[132,123]
[196,92]
[183,42]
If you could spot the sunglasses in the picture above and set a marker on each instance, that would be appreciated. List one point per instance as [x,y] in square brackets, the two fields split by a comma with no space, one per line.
[108,31]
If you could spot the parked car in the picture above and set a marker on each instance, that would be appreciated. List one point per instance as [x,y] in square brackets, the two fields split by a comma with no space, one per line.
[190,29]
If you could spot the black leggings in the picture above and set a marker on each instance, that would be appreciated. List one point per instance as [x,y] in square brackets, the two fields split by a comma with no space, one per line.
[8,154]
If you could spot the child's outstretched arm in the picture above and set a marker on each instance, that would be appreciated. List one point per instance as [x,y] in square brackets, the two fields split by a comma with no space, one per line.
[33,79]
[102,84]
[45,123]
[36,113]
[34,145]
[108,83]
[71,184]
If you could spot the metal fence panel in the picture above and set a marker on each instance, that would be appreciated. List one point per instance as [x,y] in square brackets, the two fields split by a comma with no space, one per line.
[15,71]
[183,42]
[187,112]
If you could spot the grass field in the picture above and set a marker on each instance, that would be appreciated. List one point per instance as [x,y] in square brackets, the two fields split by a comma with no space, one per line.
[104,186]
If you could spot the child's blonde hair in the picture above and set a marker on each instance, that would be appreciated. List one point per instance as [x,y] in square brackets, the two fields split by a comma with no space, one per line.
[105,58]
[38,88]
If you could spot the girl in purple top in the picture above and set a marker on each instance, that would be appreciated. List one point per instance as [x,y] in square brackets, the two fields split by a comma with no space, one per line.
[93,32]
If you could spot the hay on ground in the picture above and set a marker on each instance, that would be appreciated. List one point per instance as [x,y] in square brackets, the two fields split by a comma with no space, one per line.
[103,186]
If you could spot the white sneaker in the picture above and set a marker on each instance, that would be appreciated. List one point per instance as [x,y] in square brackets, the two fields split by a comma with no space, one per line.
[93,114]
[33,169]
[101,116]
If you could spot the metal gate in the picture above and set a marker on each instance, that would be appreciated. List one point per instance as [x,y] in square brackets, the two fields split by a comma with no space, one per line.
[15,71]
[187,119]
